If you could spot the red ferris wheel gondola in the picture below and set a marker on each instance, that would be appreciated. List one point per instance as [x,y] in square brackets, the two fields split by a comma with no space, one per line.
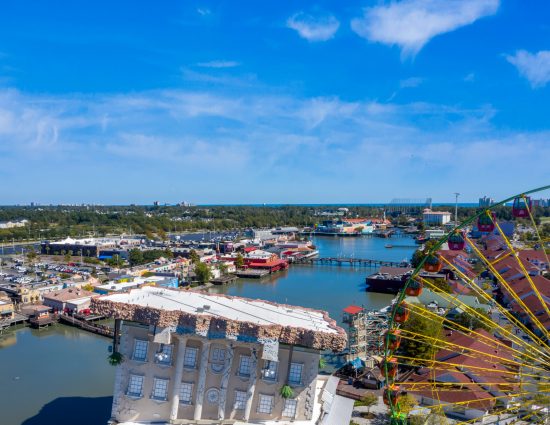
[456,241]
[486,221]
[521,207]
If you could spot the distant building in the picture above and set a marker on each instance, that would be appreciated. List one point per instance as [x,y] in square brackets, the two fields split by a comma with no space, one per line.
[69,300]
[486,202]
[13,224]
[6,307]
[90,247]
[199,358]
[435,218]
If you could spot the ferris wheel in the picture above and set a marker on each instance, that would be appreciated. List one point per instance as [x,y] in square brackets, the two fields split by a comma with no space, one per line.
[468,339]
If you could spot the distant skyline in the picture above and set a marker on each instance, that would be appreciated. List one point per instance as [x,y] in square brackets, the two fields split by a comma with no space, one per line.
[281,103]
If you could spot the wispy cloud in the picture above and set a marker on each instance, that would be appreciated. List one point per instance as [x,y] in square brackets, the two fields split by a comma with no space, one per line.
[203,11]
[218,64]
[410,82]
[322,140]
[470,78]
[410,24]
[320,28]
[535,67]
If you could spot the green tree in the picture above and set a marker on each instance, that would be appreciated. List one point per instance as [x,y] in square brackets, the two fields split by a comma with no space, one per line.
[223,268]
[368,400]
[470,321]
[135,257]
[67,257]
[407,402]
[239,261]
[31,255]
[419,254]
[194,257]
[202,270]
[422,346]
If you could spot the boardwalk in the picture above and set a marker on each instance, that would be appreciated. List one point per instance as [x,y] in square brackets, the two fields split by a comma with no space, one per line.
[90,327]
[354,262]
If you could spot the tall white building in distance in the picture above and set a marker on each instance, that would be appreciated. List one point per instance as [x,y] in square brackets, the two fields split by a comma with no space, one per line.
[435,218]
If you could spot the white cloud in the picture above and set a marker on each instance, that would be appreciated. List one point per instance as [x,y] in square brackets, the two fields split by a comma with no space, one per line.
[533,66]
[203,11]
[218,64]
[177,135]
[410,24]
[313,28]
[410,82]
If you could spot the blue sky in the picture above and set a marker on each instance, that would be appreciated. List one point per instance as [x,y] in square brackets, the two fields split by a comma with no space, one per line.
[277,102]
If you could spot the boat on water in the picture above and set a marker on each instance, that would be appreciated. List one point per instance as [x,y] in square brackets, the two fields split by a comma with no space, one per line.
[388,245]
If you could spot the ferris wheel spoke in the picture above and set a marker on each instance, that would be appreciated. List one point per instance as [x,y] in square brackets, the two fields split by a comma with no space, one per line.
[481,293]
[512,292]
[466,351]
[481,337]
[482,318]
[524,270]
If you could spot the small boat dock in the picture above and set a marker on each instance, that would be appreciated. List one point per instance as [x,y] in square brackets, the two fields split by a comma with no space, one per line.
[252,273]
[223,280]
[341,261]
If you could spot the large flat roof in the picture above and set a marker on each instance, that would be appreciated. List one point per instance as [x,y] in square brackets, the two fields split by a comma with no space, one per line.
[261,319]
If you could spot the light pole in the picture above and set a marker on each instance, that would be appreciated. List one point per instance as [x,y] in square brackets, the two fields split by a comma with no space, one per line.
[456,208]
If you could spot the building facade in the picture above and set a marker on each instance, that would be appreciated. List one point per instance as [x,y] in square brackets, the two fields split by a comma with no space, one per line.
[219,362]
[435,218]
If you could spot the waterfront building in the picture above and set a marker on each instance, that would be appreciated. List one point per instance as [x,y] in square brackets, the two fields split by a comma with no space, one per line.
[435,218]
[69,300]
[90,247]
[198,358]
[6,307]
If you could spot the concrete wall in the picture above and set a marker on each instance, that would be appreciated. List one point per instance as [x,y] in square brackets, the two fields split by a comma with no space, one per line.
[127,408]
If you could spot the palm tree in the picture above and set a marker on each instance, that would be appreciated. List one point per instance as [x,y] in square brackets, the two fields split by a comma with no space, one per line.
[286,389]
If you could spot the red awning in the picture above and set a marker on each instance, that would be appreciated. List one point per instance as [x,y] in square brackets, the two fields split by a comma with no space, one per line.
[353,309]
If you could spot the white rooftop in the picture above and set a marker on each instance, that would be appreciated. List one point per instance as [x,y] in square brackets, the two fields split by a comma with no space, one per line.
[232,308]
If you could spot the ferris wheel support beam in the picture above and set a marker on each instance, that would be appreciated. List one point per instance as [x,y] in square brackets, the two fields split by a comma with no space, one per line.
[510,290]
[480,292]
[524,270]
[430,315]
[477,314]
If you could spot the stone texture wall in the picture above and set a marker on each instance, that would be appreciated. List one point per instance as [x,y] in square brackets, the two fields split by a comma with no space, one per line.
[204,324]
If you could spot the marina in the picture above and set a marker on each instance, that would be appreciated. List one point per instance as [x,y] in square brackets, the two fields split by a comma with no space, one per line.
[335,287]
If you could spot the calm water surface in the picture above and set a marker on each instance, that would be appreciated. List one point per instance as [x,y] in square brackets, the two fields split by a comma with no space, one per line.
[61,374]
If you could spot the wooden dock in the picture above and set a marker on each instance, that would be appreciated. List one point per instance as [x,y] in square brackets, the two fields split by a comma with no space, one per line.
[252,273]
[353,262]
[223,280]
[87,326]
[43,321]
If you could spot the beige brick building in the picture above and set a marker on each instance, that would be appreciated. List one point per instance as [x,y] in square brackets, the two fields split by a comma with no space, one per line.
[197,358]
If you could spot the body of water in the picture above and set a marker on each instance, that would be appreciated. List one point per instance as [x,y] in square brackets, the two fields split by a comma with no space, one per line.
[61,375]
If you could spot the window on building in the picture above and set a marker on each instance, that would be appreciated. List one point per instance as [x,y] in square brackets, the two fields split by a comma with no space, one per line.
[217,359]
[186,393]
[295,374]
[190,357]
[140,350]
[265,404]
[160,389]
[269,372]
[289,409]
[164,354]
[245,365]
[240,400]
[135,386]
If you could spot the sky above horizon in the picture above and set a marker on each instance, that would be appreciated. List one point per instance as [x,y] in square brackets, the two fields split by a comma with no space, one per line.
[216,102]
